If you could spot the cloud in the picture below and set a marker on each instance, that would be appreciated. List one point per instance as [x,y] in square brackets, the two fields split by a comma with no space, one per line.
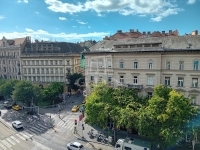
[62,18]
[20,1]
[42,34]
[81,22]
[191,1]
[1,17]
[154,8]
[37,12]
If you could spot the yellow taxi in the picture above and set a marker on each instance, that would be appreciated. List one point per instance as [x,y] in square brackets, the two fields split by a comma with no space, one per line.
[16,107]
[75,108]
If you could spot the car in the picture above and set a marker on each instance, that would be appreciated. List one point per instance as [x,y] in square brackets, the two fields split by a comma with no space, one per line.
[84,101]
[75,146]
[75,108]
[17,124]
[7,104]
[16,107]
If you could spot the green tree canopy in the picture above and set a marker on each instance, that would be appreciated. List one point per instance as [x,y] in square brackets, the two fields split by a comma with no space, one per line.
[165,116]
[7,87]
[72,79]
[26,93]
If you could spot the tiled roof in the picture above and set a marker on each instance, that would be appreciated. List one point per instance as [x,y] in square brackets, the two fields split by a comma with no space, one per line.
[58,47]
[14,42]
[169,42]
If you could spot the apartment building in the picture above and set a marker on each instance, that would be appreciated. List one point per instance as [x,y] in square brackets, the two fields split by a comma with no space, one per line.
[10,63]
[142,63]
[45,61]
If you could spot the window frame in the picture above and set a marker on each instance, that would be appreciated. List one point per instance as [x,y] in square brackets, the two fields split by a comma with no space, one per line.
[121,65]
[167,81]
[180,82]
[150,82]
[135,65]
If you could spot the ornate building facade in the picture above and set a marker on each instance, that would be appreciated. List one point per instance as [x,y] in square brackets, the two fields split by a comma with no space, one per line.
[143,63]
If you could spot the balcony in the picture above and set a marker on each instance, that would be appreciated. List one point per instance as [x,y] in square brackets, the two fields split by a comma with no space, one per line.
[138,87]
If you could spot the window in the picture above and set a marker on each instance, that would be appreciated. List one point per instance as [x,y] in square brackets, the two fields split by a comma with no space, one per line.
[194,82]
[46,62]
[121,64]
[168,65]
[51,62]
[42,62]
[100,63]
[60,61]
[109,64]
[43,79]
[25,71]
[194,100]
[149,80]
[149,94]
[37,62]
[180,81]
[92,78]
[24,62]
[33,62]
[51,70]
[181,65]
[42,70]
[38,79]
[196,65]
[29,71]
[38,71]
[68,62]
[100,78]
[135,80]
[28,62]
[33,71]
[56,62]
[47,70]
[61,70]
[109,78]
[150,65]
[56,70]
[167,81]
[121,80]
[135,65]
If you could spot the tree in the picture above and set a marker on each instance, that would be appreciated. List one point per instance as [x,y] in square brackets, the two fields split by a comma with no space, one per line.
[52,92]
[7,88]
[165,116]
[117,104]
[26,93]
[72,79]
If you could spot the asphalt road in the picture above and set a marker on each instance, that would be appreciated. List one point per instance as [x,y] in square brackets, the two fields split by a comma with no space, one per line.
[38,133]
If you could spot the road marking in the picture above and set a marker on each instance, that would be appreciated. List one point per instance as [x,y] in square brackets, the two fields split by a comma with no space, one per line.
[69,125]
[21,137]
[44,127]
[37,129]
[6,143]
[16,140]
[2,146]
[10,141]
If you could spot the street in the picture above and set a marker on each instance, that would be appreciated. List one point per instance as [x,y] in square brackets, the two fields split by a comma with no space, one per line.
[50,130]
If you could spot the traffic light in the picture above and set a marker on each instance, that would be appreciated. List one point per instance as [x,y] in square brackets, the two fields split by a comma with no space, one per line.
[75,122]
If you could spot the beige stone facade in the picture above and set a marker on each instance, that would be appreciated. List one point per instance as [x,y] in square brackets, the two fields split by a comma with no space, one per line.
[10,62]
[45,62]
[145,63]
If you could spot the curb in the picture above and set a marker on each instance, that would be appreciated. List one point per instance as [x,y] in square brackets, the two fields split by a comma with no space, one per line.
[88,141]
[4,124]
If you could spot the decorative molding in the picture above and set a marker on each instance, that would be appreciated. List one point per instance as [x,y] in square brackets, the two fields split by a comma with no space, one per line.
[180,75]
[149,89]
[180,90]
[194,91]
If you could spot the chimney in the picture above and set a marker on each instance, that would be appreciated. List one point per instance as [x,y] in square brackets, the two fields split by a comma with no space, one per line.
[148,32]
[195,32]
[131,30]
[144,33]
[119,31]
[163,32]
[170,31]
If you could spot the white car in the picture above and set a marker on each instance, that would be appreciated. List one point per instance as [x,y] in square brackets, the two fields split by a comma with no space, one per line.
[75,146]
[17,124]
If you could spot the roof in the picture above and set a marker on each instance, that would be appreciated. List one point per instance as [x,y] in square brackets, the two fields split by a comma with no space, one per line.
[17,122]
[139,142]
[170,42]
[16,41]
[77,143]
[56,47]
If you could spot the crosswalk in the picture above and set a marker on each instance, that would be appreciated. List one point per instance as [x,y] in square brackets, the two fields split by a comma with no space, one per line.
[68,121]
[11,141]
[37,129]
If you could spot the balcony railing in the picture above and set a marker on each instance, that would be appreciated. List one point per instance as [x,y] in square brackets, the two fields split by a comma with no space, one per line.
[139,87]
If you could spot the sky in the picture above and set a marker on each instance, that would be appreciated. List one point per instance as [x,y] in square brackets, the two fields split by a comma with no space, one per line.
[81,20]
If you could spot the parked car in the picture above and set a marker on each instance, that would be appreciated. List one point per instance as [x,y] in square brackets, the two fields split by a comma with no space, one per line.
[84,101]
[16,107]
[17,124]
[7,104]
[75,108]
[82,108]
[75,146]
